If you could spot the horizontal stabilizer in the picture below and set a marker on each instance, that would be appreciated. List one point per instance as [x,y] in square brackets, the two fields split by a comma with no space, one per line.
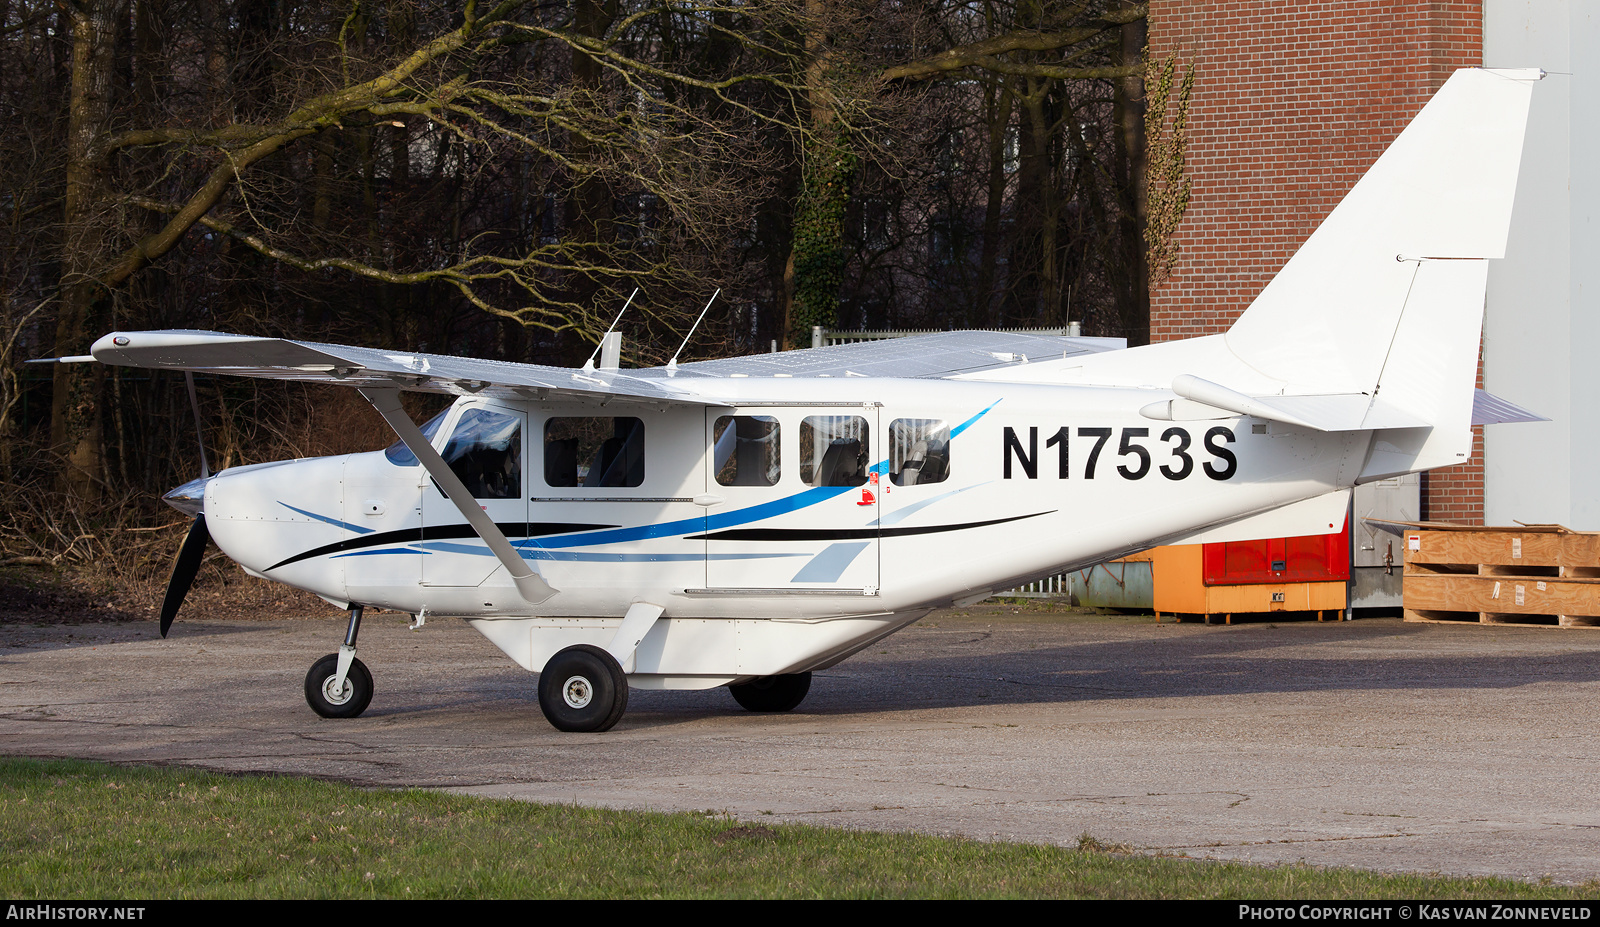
[1396,528]
[1489,409]
[1324,412]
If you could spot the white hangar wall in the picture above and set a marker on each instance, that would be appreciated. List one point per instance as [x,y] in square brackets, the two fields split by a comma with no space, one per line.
[1542,325]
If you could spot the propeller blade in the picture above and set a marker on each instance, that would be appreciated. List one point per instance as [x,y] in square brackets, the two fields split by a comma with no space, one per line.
[184,570]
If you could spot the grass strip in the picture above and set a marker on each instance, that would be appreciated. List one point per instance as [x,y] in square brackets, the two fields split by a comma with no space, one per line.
[71,829]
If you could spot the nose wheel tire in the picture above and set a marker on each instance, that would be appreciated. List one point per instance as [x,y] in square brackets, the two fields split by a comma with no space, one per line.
[773,693]
[583,688]
[349,700]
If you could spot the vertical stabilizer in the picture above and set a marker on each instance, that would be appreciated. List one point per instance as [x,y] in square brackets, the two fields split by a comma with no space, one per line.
[1330,320]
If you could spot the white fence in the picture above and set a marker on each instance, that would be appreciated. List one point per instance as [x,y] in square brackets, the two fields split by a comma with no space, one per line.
[1058,586]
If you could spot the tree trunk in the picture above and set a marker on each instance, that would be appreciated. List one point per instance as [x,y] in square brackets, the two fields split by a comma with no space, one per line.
[815,269]
[998,113]
[1133,296]
[76,407]
[592,214]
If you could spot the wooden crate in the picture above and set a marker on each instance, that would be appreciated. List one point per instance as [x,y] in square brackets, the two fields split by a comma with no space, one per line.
[1542,574]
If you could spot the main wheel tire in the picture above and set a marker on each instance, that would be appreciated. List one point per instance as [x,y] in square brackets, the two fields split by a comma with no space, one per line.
[583,688]
[348,702]
[773,693]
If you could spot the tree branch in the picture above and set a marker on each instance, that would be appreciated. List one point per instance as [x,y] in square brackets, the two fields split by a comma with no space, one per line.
[313,116]
[984,54]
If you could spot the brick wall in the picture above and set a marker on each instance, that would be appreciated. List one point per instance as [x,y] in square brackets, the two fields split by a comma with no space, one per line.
[1292,103]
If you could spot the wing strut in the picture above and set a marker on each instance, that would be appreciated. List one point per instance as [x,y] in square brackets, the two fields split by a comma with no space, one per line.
[529,583]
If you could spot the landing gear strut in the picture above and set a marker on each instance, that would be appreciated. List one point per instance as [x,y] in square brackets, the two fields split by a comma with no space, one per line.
[339,685]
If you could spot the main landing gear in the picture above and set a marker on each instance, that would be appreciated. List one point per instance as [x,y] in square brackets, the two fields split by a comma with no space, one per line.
[773,693]
[583,688]
[339,685]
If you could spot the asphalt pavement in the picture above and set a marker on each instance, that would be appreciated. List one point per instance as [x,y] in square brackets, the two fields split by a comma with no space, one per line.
[1373,743]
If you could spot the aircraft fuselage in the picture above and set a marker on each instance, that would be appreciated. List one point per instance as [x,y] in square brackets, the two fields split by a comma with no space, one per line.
[780,533]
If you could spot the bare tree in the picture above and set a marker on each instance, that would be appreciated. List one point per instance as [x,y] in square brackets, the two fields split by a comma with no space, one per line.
[452,174]
[1025,205]
[529,159]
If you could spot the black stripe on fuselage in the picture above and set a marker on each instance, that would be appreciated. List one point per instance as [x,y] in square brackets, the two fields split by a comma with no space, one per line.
[511,529]
[845,534]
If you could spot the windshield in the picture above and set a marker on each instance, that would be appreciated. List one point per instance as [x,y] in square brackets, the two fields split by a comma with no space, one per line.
[401,456]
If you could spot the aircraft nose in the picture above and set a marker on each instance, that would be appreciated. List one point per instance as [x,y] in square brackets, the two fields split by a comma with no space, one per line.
[190,498]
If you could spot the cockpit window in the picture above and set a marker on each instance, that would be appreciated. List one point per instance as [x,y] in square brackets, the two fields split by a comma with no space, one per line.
[594,452]
[485,451]
[401,456]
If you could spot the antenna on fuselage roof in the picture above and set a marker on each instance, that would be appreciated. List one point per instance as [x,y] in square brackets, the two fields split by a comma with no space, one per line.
[588,365]
[672,365]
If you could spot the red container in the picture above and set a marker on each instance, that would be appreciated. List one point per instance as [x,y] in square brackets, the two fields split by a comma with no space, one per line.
[1317,558]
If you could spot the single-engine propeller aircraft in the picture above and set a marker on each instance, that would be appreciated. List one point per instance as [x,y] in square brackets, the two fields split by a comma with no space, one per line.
[747,522]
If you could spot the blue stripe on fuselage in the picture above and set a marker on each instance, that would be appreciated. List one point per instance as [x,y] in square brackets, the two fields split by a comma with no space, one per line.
[968,423]
[358,529]
[794,503]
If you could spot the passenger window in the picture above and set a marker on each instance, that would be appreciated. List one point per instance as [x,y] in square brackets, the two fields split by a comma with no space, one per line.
[485,452]
[746,450]
[834,450]
[919,451]
[594,452]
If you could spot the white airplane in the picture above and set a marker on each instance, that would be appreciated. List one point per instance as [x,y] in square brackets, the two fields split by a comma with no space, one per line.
[747,522]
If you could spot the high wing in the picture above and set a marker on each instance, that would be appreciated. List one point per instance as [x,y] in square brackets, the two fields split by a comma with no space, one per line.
[309,361]
[934,355]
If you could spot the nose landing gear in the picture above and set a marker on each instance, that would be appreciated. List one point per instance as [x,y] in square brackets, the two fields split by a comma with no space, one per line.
[339,685]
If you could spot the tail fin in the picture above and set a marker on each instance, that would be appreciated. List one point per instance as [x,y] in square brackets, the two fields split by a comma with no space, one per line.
[1374,323]
[1386,297]
[1331,320]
